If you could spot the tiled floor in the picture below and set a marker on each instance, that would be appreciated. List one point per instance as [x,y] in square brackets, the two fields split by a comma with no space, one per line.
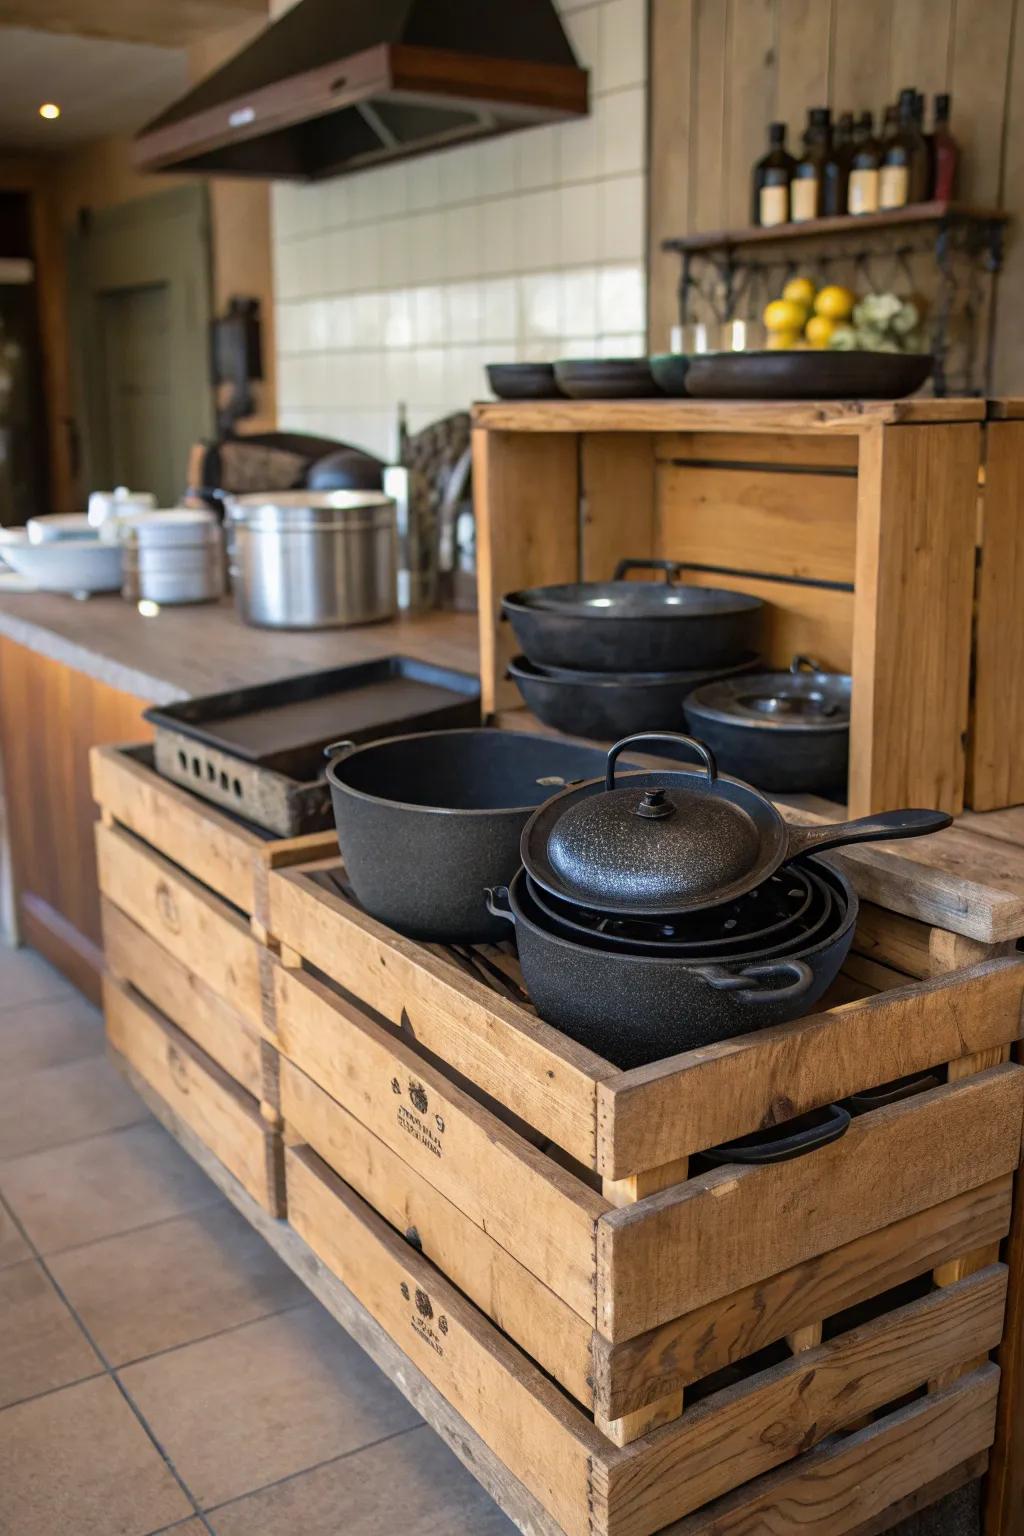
[160,1368]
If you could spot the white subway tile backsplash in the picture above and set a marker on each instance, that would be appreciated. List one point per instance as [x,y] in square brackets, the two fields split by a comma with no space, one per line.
[537,157]
[428,317]
[496,166]
[341,321]
[622,128]
[579,212]
[460,175]
[462,241]
[499,319]
[367,310]
[583,28]
[538,236]
[620,302]
[540,305]
[498,222]
[463,312]
[424,184]
[623,43]
[622,218]
[397,318]
[580,299]
[581,146]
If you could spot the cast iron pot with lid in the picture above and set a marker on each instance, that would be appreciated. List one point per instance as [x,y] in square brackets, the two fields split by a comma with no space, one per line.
[428,820]
[634,626]
[783,731]
[670,841]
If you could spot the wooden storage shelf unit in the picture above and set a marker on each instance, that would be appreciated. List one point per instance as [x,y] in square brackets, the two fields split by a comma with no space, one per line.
[854,521]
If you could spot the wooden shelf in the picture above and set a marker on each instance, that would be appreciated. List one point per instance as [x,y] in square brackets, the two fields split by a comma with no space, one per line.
[833,416]
[895,218]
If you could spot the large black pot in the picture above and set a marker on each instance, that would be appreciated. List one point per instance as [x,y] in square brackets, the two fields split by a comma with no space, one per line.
[427,821]
[634,1009]
[635,626]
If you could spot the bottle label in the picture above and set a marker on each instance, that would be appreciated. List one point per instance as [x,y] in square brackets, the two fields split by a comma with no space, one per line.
[803,192]
[863,194]
[892,186]
[774,205]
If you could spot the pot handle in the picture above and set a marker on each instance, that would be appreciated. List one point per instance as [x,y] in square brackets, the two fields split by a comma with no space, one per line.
[866,829]
[670,567]
[673,738]
[782,1149]
[498,903]
[803,663]
[724,980]
[339,749]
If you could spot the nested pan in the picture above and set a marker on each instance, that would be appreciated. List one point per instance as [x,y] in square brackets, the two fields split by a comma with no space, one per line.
[634,626]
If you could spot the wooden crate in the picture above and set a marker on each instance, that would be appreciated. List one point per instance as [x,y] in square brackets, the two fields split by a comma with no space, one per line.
[855,521]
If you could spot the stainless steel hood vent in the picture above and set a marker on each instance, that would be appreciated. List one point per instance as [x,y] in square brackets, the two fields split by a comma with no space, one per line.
[339,85]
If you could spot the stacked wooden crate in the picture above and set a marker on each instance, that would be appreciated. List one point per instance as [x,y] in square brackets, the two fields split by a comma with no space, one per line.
[636,1343]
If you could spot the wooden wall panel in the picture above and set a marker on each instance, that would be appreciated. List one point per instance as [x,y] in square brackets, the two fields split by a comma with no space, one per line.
[861,42]
[920,45]
[750,77]
[805,35]
[978,81]
[671,68]
[710,115]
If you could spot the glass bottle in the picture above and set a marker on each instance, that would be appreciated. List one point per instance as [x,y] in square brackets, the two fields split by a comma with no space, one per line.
[772,175]
[805,187]
[865,158]
[904,171]
[945,152]
[836,170]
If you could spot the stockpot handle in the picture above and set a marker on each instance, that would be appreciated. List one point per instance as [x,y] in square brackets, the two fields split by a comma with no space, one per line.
[803,663]
[866,829]
[783,1149]
[673,738]
[339,749]
[670,567]
[499,903]
[724,980]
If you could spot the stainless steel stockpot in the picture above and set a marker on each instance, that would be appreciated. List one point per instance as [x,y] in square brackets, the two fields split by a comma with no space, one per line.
[313,559]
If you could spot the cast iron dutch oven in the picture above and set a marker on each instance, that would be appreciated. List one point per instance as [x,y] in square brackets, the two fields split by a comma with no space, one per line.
[671,841]
[427,821]
[635,626]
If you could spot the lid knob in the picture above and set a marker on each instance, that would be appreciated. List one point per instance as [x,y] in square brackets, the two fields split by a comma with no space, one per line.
[655,805]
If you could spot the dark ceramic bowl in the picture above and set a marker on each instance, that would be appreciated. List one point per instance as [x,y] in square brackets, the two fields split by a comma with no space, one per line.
[807,375]
[523,381]
[670,370]
[606,378]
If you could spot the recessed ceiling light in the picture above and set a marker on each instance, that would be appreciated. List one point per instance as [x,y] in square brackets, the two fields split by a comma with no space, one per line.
[49,109]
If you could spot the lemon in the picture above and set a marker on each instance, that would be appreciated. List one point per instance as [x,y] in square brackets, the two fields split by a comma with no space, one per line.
[801,290]
[835,302]
[784,315]
[781,341]
[820,329]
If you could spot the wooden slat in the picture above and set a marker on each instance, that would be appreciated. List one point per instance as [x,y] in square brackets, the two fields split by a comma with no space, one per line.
[537,1211]
[840,1487]
[671,61]
[617,474]
[799,525]
[978,81]
[133,956]
[652,1115]
[1004,1511]
[226,1119]
[919,46]
[861,40]
[836,417]
[546,1327]
[995,759]
[532,1069]
[708,116]
[649,1367]
[917,948]
[783,448]
[543,1441]
[749,78]
[526,500]
[805,620]
[729,1228]
[804,29]
[196,927]
[742,1433]
[915,578]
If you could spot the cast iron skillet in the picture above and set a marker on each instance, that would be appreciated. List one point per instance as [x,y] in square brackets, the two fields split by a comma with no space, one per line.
[669,841]
[794,1138]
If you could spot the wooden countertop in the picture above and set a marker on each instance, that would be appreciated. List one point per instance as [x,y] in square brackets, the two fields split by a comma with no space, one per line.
[204,648]
[847,417]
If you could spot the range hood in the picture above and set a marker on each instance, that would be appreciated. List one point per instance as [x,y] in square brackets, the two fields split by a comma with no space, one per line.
[340,85]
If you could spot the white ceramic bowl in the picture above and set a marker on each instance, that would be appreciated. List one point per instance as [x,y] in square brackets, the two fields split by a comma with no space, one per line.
[59,526]
[67,565]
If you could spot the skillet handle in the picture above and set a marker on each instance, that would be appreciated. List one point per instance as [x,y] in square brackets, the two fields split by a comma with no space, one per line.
[866,829]
[782,1149]
[805,664]
[670,567]
[724,980]
[498,905]
[338,750]
[673,739]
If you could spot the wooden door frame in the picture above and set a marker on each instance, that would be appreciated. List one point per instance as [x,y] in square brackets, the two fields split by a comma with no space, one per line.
[160,239]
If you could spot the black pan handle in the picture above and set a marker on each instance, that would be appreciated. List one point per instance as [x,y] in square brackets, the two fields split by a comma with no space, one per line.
[803,663]
[498,902]
[866,829]
[339,749]
[724,980]
[670,567]
[672,739]
[782,1149]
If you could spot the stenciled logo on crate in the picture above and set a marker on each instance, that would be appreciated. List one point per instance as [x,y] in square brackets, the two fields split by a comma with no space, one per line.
[422,1319]
[414,1118]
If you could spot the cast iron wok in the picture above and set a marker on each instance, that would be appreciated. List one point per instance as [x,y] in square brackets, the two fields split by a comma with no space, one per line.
[634,626]
[667,841]
[633,1009]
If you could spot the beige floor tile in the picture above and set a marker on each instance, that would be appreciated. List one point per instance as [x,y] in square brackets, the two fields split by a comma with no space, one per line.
[26,977]
[79,1463]
[169,1284]
[108,1184]
[13,1247]
[61,1104]
[412,1484]
[47,1034]
[183,1528]
[240,1411]
[41,1345]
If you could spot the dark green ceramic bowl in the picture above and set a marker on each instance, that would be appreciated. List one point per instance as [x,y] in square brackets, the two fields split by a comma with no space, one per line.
[669,369]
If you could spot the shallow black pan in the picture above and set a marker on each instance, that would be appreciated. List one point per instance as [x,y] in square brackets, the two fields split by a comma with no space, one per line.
[810,375]
[523,381]
[635,626]
[605,378]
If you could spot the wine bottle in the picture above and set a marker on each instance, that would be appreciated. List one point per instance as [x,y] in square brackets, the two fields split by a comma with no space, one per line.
[772,175]
[904,169]
[865,158]
[805,187]
[836,170]
[945,152]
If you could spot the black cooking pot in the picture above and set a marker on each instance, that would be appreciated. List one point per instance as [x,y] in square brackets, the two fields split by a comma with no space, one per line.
[781,1143]
[426,821]
[635,626]
[634,1009]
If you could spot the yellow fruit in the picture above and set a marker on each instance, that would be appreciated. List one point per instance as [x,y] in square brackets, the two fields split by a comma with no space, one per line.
[835,302]
[781,341]
[784,315]
[801,290]
[819,329]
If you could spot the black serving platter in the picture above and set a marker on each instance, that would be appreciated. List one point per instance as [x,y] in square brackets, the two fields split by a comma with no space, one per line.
[670,370]
[606,378]
[807,375]
[523,381]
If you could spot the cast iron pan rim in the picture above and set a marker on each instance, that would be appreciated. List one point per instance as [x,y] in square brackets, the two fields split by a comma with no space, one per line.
[701,712]
[575,677]
[838,878]
[519,603]
[770,682]
[438,810]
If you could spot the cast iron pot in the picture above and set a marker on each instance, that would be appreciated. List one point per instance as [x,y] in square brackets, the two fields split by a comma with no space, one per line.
[606,705]
[635,626]
[634,1009]
[426,821]
[788,732]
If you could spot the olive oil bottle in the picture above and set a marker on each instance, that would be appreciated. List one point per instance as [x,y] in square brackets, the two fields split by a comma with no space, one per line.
[805,189]
[772,176]
[903,176]
[865,159]
[836,170]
